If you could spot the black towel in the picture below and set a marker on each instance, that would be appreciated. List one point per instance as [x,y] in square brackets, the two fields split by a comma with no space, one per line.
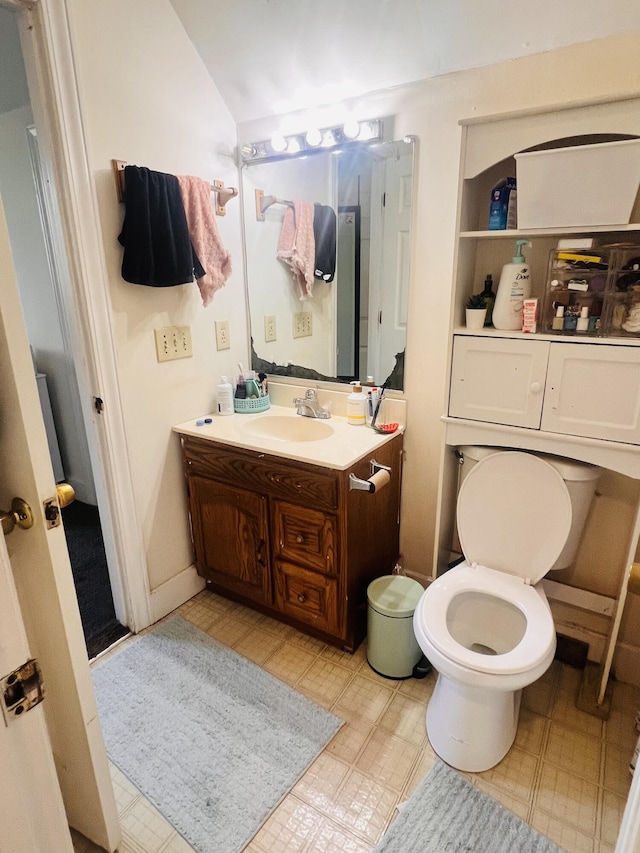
[324,233]
[155,235]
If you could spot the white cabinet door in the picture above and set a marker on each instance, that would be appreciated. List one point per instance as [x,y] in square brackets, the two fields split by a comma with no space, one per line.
[593,391]
[500,380]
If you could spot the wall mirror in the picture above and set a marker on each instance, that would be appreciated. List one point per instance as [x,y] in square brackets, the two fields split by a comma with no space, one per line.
[355,325]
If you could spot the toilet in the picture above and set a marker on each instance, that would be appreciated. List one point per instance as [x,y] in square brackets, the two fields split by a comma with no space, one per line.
[485,625]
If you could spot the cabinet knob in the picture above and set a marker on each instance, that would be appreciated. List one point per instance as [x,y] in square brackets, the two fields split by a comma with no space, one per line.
[302,598]
[299,539]
[536,387]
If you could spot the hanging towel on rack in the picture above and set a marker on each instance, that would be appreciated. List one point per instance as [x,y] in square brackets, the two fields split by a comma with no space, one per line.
[296,246]
[216,260]
[324,233]
[155,235]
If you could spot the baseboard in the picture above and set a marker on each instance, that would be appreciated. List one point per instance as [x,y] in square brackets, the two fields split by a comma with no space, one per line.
[174,592]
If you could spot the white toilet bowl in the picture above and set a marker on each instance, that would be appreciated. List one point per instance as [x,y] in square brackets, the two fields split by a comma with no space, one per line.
[484,625]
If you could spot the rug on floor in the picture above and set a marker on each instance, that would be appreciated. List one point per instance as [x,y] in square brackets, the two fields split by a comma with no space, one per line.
[212,740]
[446,814]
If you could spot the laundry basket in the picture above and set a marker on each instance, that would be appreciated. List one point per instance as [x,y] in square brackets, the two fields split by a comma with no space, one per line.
[392,649]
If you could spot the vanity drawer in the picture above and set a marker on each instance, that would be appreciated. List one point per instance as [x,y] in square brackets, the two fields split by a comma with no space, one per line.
[305,536]
[261,473]
[307,596]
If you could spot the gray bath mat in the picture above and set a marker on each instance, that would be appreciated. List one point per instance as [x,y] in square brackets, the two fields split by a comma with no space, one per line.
[213,741]
[445,814]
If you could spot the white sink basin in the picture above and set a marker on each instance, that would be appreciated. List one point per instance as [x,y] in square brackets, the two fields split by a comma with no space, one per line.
[288,428]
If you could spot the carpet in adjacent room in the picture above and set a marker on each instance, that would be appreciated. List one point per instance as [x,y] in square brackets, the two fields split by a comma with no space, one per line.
[209,738]
[446,814]
[91,577]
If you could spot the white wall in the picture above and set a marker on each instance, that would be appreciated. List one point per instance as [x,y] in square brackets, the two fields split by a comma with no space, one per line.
[146,98]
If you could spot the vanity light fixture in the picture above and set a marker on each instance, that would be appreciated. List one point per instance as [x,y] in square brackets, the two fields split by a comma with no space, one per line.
[315,139]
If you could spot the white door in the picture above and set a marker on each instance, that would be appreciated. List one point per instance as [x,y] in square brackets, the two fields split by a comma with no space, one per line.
[32,818]
[390,293]
[593,391]
[44,584]
[498,380]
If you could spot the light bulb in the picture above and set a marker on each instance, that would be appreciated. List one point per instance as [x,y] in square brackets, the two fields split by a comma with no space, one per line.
[351,128]
[293,145]
[278,142]
[313,137]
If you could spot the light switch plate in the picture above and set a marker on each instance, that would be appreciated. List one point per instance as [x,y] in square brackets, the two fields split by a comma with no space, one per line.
[173,342]
[302,325]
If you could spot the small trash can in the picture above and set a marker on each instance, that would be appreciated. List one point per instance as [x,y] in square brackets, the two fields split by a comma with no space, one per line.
[392,648]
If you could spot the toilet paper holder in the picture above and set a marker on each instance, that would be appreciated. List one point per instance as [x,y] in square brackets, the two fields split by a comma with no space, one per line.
[380,475]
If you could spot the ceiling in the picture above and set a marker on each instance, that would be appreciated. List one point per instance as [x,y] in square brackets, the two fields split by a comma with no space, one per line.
[273,56]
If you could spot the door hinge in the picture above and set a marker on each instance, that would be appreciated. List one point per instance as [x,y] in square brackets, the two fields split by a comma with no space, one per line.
[98,405]
[22,690]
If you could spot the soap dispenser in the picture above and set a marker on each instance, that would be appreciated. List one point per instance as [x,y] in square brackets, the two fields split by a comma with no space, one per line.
[513,289]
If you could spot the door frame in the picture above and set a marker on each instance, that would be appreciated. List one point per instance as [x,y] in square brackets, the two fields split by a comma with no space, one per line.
[48,56]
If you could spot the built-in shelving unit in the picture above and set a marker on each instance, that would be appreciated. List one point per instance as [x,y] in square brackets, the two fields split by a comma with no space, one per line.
[543,378]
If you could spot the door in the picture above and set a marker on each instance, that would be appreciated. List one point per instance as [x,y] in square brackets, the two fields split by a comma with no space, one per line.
[390,286]
[44,584]
[231,536]
[32,818]
[500,381]
[593,391]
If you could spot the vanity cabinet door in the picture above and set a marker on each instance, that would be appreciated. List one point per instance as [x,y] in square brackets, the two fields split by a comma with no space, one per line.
[499,380]
[593,391]
[231,538]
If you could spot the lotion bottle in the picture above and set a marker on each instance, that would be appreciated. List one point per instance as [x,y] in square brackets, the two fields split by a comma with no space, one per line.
[513,289]
[356,406]
[225,397]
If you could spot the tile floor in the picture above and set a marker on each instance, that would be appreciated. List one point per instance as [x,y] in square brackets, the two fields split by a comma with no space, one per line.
[566,775]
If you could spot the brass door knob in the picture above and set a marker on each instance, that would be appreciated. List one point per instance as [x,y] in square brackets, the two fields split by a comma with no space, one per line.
[66,494]
[20,514]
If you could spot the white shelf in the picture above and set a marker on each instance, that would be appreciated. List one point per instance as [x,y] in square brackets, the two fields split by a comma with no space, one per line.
[561,337]
[582,230]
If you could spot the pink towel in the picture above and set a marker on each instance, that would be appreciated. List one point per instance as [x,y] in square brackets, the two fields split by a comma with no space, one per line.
[203,230]
[297,246]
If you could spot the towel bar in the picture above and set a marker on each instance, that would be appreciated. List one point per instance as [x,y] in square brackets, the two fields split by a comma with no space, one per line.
[223,194]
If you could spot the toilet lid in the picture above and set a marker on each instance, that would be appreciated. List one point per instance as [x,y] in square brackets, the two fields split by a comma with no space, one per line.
[514,514]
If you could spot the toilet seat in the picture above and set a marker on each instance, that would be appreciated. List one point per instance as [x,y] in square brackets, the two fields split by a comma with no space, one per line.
[509,545]
[501,530]
[539,632]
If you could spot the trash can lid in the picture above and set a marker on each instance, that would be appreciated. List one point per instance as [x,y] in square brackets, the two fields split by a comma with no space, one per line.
[394,595]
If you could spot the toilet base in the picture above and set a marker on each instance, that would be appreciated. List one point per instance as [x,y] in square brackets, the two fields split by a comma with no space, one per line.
[471,728]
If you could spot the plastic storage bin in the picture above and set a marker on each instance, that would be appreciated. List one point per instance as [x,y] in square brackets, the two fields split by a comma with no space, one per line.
[578,185]
[392,649]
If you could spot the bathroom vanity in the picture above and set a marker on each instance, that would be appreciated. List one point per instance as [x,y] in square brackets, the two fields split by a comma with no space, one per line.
[290,527]
[554,392]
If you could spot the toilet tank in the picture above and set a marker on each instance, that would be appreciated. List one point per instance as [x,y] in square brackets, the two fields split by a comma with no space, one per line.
[580,479]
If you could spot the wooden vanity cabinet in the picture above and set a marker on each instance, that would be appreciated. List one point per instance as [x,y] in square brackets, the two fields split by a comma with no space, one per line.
[292,539]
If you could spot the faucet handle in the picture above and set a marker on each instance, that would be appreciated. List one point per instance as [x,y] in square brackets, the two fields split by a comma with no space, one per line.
[311,394]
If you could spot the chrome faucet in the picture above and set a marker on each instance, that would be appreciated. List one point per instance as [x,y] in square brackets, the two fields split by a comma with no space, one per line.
[309,407]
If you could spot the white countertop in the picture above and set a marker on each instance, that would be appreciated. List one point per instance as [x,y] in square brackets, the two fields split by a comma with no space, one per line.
[339,451]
